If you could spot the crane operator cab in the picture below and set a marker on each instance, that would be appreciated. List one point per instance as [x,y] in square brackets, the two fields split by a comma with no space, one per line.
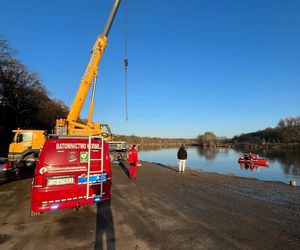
[63,127]
[107,134]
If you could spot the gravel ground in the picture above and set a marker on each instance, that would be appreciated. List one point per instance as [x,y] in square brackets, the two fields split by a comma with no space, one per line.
[161,209]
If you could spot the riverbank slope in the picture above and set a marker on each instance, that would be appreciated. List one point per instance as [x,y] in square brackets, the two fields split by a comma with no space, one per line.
[161,209]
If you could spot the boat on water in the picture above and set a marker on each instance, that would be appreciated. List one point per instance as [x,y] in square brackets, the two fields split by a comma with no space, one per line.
[249,159]
[261,162]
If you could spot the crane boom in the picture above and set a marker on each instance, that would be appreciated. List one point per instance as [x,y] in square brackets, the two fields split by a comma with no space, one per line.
[87,79]
[92,67]
[71,125]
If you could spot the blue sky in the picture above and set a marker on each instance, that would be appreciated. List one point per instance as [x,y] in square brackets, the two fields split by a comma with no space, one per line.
[194,66]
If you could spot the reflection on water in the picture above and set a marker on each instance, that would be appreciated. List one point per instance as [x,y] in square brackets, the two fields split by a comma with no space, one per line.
[212,153]
[208,153]
[284,165]
[250,166]
[290,160]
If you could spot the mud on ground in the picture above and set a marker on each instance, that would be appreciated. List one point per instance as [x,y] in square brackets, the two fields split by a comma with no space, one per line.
[161,209]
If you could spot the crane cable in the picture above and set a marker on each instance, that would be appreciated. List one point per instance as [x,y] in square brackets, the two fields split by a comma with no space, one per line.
[126,59]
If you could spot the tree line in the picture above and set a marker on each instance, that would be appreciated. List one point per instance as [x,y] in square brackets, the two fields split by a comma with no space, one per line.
[286,131]
[209,139]
[24,101]
[144,140]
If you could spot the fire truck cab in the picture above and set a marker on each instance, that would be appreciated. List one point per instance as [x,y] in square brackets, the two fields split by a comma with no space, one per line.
[70,172]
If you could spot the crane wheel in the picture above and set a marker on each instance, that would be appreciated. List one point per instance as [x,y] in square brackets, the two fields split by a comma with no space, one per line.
[29,160]
[112,157]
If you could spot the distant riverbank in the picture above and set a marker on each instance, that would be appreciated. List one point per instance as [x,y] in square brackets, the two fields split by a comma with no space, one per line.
[266,145]
[247,145]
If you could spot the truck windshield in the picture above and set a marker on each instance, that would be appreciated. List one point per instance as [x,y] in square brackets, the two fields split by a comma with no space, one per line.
[23,137]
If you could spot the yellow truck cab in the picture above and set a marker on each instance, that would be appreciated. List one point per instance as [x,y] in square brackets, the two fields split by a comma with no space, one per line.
[25,147]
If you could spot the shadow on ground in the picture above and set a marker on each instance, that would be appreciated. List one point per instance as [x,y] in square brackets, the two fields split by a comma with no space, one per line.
[166,166]
[125,169]
[105,232]
[10,176]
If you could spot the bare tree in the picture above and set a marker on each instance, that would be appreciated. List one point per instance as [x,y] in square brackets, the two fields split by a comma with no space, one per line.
[24,101]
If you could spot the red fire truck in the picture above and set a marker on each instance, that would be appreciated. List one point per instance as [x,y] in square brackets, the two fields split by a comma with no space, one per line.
[71,171]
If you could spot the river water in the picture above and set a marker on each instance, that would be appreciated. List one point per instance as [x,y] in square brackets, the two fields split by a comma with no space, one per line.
[284,165]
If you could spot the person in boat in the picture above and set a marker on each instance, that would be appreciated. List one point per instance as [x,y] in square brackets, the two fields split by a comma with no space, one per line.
[245,157]
[251,156]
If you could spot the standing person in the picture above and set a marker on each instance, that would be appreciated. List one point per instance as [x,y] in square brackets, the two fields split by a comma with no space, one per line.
[181,156]
[133,160]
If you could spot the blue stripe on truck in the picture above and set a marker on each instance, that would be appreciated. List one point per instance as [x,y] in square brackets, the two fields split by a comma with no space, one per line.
[93,178]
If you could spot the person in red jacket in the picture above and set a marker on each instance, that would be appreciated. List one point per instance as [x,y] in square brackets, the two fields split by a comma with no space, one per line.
[133,160]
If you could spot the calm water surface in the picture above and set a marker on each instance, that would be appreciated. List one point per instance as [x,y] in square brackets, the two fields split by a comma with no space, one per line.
[284,165]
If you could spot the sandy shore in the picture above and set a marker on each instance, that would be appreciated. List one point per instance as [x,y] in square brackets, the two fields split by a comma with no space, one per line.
[161,209]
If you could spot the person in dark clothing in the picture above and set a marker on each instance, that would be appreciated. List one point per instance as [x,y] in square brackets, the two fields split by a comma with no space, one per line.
[181,156]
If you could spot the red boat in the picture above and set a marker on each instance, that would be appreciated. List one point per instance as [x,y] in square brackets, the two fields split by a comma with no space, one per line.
[261,162]
[247,159]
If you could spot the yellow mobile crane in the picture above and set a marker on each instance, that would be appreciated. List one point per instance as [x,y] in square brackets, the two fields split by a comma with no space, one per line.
[71,126]
[26,145]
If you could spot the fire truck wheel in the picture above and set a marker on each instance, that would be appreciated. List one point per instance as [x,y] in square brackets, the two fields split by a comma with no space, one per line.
[123,156]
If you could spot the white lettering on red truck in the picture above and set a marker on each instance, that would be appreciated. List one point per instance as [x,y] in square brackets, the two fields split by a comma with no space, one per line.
[52,169]
[63,146]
